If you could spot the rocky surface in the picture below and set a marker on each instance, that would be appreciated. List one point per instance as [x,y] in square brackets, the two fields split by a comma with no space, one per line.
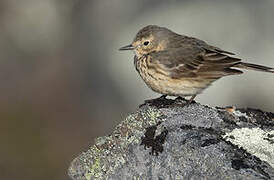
[164,140]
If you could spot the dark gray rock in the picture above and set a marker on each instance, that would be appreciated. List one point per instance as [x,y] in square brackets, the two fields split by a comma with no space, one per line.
[164,140]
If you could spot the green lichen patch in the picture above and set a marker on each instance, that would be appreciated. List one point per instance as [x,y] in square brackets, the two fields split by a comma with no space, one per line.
[107,154]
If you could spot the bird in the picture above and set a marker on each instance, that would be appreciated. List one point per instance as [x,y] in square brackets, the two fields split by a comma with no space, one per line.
[172,64]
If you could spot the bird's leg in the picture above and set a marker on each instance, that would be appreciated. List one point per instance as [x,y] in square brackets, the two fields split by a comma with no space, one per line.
[163,97]
[180,98]
[187,102]
[156,99]
[190,100]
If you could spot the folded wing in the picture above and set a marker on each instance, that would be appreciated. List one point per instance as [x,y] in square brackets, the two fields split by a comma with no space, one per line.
[195,62]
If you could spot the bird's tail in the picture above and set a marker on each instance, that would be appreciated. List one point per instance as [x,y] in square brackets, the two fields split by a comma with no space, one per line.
[254,67]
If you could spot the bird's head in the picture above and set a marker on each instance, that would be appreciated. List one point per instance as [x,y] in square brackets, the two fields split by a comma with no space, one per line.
[148,39]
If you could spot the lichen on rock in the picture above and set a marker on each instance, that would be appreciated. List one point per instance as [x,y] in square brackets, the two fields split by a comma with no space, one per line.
[164,140]
[107,154]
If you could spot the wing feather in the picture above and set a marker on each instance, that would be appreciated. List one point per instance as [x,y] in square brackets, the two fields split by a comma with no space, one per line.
[195,62]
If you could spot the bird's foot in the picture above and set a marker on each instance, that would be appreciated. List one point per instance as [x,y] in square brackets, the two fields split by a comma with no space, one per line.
[180,99]
[163,97]
[184,102]
[160,101]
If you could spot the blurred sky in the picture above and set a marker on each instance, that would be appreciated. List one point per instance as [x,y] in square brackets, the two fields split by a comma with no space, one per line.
[64,82]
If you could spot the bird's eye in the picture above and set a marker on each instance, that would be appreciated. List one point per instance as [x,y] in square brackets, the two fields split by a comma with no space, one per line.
[146,43]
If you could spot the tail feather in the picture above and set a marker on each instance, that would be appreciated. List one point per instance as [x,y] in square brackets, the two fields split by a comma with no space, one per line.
[255,67]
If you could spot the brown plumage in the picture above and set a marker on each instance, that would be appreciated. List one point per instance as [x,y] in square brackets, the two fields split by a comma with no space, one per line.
[178,65]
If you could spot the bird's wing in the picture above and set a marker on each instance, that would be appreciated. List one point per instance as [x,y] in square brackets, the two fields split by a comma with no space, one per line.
[216,49]
[194,61]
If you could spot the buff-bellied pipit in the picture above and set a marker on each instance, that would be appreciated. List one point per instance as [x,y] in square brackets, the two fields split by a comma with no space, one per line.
[177,65]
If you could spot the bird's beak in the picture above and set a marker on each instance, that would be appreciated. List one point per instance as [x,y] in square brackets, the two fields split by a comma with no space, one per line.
[128,47]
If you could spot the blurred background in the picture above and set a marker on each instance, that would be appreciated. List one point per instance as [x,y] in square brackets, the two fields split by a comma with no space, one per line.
[64,82]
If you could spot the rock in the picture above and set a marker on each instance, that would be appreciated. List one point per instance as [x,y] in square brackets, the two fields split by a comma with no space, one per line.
[164,140]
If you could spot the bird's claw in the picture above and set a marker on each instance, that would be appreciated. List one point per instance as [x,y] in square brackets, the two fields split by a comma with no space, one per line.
[154,101]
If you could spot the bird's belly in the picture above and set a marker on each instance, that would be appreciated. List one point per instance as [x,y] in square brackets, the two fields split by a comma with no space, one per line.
[164,84]
[160,81]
